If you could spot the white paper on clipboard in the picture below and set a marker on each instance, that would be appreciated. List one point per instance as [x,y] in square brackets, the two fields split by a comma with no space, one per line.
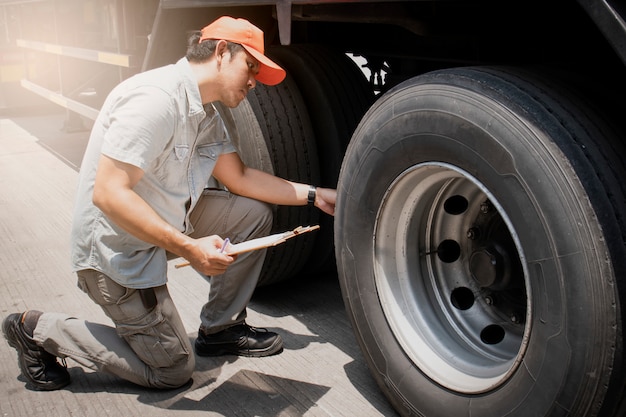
[267,241]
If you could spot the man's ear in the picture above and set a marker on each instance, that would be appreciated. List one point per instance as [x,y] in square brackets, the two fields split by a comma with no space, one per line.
[220,49]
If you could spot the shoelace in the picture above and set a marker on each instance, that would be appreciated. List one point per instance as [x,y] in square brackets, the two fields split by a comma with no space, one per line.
[253,329]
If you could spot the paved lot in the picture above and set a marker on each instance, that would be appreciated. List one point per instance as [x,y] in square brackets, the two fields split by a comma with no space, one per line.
[320,373]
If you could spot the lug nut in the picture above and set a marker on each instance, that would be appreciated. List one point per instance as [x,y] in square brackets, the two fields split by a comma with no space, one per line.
[473,233]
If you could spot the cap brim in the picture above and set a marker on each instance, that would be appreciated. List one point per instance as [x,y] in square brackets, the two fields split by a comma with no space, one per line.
[270,73]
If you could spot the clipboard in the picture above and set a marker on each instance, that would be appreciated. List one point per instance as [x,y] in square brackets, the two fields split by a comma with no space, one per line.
[262,242]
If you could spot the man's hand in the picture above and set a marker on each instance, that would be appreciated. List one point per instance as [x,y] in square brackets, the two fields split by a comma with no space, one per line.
[325,199]
[207,257]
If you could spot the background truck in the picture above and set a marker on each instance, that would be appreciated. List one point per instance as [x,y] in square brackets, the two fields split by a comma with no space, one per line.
[478,152]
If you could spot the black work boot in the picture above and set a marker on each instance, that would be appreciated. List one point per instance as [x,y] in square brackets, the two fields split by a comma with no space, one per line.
[241,339]
[38,366]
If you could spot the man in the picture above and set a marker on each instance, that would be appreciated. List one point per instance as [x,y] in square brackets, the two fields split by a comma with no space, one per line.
[142,198]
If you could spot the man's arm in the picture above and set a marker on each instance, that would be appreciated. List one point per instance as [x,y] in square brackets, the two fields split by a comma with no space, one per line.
[249,182]
[114,195]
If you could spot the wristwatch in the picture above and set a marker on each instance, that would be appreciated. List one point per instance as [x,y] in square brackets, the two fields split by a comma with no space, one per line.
[311,197]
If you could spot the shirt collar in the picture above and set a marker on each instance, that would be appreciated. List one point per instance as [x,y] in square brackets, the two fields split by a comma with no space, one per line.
[191,87]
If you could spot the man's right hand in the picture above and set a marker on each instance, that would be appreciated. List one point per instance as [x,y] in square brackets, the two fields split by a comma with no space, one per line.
[207,257]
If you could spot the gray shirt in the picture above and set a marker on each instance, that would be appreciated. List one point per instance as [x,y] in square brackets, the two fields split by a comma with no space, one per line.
[155,121]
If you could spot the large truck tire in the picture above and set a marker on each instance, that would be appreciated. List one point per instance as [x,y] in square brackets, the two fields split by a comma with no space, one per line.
[299,130]
[479,239]
[272,132]
[337,95]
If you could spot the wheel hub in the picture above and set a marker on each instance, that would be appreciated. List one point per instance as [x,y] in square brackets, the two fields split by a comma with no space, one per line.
[489,268]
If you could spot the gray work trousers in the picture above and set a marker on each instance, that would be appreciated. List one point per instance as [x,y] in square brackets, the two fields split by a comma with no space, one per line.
[149,345]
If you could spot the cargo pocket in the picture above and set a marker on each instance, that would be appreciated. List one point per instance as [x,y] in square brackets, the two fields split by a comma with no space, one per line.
[154,340]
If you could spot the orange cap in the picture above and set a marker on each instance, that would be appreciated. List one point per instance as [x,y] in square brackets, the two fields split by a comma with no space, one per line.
[251,38]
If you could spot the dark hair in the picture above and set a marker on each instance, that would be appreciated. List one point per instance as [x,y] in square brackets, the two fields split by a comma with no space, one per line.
[202,51]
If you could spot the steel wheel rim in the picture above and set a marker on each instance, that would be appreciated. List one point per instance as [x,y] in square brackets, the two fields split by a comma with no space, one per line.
[451,279]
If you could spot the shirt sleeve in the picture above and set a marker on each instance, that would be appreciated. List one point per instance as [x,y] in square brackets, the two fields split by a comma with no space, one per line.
[228,146]
[141,123]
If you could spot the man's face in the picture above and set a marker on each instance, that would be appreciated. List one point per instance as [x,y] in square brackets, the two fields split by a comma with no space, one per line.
[238,72]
